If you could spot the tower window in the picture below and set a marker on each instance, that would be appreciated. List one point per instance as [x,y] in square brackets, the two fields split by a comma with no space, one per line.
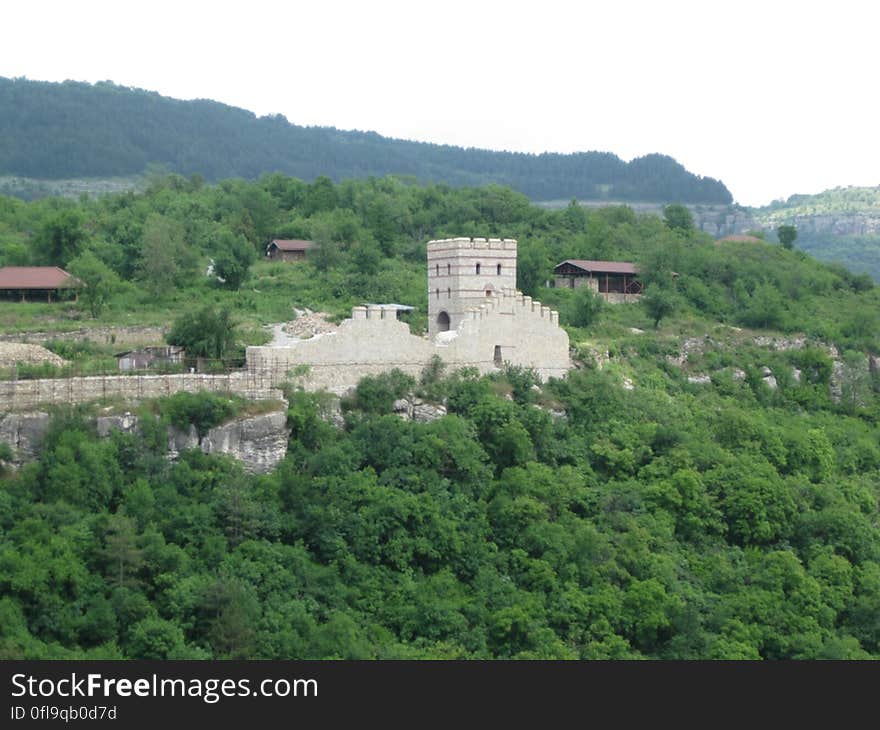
[448,291]
[478,268]
[448,269]
[498,269]
[437,271]
[438,294]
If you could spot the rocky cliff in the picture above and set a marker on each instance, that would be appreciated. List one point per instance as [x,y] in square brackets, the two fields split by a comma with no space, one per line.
[728,220]
[259,442]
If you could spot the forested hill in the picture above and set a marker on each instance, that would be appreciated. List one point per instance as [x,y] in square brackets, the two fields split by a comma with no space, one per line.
[706,484]
[840,225]
[72,129]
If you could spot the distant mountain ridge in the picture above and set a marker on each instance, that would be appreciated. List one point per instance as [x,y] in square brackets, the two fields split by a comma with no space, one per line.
[840,225]
[73,129]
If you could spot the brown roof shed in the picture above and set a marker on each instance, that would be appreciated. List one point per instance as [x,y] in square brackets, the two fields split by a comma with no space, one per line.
[602,267]
[36,277]
[291,245]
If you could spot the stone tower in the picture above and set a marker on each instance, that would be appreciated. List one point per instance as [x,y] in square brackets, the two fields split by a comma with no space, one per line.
[462,274]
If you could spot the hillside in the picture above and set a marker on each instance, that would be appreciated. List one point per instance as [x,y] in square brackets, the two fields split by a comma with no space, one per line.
[840,225]
[703,485]
[74,130]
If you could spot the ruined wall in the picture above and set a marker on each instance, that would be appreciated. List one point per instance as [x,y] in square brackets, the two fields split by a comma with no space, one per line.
[527,333]
[373,341]
[23,394]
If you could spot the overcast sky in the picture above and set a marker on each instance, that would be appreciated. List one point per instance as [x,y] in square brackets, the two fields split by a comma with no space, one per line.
[772,97]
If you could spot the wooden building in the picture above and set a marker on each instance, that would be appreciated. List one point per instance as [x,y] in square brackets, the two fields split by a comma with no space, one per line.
[616,281]
[35,283]
[288,250]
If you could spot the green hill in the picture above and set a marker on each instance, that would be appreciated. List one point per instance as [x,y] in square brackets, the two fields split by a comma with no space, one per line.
[703,485]
[840,225]
[72,130]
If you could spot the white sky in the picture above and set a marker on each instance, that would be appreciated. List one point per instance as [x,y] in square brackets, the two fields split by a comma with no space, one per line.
[772,97]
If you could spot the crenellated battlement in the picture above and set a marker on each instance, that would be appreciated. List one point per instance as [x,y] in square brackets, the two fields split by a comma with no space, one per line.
[514,302]
[445,244]
[374,313]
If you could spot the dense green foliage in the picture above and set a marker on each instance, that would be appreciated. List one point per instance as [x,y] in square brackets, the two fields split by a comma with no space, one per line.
[204,333]
[669,521]
[622,512]
[73,129]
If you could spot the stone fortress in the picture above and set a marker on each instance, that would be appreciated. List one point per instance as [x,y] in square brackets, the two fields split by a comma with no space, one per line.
[476,318]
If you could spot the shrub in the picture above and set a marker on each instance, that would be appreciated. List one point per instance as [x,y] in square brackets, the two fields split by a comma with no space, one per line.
[202,410]
[377,393]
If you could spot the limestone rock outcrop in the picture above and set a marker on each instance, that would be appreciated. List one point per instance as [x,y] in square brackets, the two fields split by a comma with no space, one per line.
[258,441]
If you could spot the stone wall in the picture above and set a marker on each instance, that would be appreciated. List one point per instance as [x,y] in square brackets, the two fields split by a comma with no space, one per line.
[366,344]
[525,332]
[29,394]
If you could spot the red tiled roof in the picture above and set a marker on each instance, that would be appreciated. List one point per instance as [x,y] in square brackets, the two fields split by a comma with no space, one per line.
[603,267]
[35,277]
[292,245]
[741,239]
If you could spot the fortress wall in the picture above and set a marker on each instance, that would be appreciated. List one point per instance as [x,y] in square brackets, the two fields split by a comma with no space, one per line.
[527,332]
[19,394]
[371,342]
[366,344]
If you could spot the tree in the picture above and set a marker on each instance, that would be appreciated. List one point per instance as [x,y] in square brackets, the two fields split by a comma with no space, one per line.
[766,307]
[588,305]
[532,266]
[99,281]
[327,253]
[233,259]
[61,237]
[377,393]
[786,235]
[366,257]
[659,303]
[205,333]
[121,551]
[678,218]
[321,196]
[166,260]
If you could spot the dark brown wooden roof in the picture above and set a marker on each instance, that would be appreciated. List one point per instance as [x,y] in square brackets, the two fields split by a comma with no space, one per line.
[601,267]
[35,277]
[283,244]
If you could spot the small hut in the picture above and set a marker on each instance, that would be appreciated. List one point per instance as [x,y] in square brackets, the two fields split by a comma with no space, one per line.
[617,281]
[35,283]
[288,250]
